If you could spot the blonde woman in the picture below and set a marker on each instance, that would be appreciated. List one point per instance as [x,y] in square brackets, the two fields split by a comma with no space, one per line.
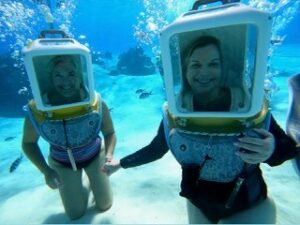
[74,138]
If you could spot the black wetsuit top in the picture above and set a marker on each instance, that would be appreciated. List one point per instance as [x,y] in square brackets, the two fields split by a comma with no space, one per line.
[212,197]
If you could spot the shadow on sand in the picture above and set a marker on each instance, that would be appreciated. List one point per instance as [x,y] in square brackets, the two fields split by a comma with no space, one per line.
[87,218]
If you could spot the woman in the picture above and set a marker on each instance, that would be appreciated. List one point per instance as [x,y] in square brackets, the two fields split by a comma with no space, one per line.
[224,184]
[75,144]
[66,82]
[204,86]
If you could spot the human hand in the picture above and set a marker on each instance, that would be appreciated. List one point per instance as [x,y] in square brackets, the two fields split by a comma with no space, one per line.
[256,146]
[108,158]
[111,167]
[52,179]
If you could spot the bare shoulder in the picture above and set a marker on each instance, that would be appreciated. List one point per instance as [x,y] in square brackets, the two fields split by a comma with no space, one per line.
[105,112]
[105,108]
[107,123]
[29,133]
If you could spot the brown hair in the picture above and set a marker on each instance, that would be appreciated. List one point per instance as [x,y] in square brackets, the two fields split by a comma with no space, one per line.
[199,43]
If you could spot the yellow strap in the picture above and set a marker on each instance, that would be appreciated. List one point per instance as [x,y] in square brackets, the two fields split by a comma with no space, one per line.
[218,126]
[64,113]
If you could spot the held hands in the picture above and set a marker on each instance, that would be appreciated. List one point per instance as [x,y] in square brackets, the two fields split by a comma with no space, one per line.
[256,146]
[111,166]
[52,179]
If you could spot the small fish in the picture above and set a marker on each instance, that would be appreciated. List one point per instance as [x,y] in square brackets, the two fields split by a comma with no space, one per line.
[276,41]
[145,95]
[138,91]
[15,164]
[9,138]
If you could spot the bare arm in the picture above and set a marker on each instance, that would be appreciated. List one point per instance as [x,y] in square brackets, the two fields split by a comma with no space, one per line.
[31,148]
[34,154]
[108,132]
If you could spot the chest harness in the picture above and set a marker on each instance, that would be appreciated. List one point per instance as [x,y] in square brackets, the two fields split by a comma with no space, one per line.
[208,143]
[72,133]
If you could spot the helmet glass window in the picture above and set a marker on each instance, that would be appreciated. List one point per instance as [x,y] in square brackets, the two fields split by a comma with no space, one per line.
[62,79]
[213,69]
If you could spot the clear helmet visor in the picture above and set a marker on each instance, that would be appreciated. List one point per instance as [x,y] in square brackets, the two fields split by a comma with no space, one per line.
[213,69]
[62,79]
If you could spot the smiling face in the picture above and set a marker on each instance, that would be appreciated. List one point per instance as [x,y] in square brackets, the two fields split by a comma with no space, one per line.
[65,79]
[204,70]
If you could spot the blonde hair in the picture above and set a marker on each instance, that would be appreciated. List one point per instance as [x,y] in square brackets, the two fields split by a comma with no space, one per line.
[56,60]
[64,59]
[75,61]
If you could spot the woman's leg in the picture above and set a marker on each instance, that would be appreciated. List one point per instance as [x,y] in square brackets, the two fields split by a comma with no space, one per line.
[195,215]
[99,183]
[73,194]
[262,213]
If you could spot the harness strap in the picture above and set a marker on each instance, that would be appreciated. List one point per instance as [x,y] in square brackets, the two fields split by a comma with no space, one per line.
[247,170]
[70,154]
[72,160]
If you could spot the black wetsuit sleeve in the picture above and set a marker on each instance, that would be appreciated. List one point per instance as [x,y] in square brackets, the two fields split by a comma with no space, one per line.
[155,150]
[285,147]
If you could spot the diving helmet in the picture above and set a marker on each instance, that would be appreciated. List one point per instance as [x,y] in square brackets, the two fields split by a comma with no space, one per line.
[241,35]
[59,70]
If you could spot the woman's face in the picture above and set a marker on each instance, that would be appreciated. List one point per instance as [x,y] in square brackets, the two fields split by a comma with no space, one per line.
[204,69]
[65,79]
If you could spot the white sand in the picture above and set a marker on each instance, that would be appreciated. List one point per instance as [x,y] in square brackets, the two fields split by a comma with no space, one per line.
[142,195]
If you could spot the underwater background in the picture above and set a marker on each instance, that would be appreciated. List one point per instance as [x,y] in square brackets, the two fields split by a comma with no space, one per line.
[124,34]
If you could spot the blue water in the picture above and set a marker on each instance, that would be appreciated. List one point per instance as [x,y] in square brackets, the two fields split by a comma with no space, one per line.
[110,26]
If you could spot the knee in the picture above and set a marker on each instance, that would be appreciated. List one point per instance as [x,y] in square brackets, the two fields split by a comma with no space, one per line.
[76,211]
[74,215]
[104,206]
[75,204]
